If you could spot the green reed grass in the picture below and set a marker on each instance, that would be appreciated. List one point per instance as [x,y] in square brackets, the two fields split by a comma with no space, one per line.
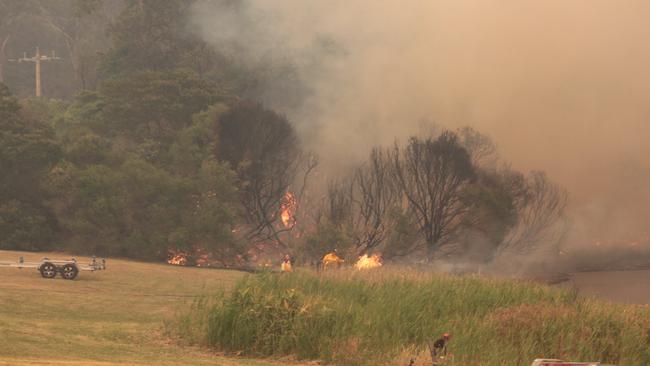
[375,317]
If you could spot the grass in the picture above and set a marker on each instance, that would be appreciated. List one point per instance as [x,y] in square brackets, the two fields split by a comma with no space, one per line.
[385,317]
[113,317]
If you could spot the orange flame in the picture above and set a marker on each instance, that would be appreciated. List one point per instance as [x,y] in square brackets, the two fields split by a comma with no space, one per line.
[197,257]
[332,260]
[368,262]
[287,210]
[177,258]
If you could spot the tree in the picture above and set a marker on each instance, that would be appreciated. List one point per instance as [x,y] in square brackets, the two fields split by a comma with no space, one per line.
[74,28]
[85,148]
[262,147]
[154,105]
[26,226]
[215,213]
[82,27]
[481,149]
[431,174]
[338,206]
[197,142]
[378,193]
[27,151]
[139,210]
[540,215]
[492,211]
[11,12]
[153,35]
[90,207]
[360,205]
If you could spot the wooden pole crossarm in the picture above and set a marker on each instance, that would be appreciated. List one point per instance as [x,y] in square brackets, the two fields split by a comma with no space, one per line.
[37,59]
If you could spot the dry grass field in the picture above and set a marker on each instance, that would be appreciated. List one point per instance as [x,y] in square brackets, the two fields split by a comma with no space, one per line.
[113,317]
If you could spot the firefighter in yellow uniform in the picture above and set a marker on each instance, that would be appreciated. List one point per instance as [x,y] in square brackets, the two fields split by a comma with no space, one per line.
[286,264]
[332,259]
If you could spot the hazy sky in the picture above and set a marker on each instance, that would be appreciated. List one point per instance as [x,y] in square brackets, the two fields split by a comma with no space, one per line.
[561,86]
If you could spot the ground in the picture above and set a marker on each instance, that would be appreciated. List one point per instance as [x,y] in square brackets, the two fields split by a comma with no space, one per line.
[112,317]
[116,317]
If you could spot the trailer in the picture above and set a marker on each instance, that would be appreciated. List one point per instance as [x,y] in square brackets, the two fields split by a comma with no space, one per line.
[49,268]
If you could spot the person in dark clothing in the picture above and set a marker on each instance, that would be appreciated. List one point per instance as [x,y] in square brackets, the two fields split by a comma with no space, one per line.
[440,345]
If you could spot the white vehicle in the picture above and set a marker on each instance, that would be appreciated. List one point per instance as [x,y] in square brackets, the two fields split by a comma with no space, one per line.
[553,362]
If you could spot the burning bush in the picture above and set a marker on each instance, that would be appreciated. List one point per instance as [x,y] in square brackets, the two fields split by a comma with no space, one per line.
[201,257]
[263,148]
[368,262]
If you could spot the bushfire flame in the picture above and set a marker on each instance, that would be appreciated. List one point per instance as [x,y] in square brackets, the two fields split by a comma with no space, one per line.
[177,258]
[368,262]
[198,258]
[287,210]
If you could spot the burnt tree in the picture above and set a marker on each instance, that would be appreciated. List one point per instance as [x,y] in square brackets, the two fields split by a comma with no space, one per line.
[431,174]
[338,205]
[540,214]
[359,204]
[492,200]
[376,193]
[263,149]
[481,149]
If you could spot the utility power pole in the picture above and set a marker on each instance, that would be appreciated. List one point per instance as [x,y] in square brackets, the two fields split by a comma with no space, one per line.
[37,59]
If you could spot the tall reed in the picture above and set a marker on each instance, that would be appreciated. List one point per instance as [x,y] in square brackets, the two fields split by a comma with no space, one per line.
[381,316]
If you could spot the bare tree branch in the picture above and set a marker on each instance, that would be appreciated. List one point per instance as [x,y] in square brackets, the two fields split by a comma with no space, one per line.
[263,148]
[540,215]
[431,174]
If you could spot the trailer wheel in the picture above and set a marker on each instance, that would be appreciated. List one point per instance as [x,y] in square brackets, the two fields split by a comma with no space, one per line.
[69,271]
[48,270]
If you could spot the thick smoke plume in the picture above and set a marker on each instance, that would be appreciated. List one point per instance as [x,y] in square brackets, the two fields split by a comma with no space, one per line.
[561,86]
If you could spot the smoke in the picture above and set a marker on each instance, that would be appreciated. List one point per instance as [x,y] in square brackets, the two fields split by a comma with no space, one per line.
[561,86]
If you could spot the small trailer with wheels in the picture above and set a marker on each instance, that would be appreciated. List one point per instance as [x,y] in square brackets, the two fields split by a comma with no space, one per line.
[68,268]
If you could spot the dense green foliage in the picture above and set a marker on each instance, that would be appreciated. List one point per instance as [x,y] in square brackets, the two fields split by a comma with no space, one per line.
[151,34]
[27,151]
[137,168]
[373,317]
[80,192]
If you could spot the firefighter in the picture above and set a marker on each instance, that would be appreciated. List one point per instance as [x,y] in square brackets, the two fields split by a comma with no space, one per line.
[440,345]
[332,259]
[286,264]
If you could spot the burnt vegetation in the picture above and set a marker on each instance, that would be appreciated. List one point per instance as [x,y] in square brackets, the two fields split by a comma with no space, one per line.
[442,196]
[432,173]
[149,140]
